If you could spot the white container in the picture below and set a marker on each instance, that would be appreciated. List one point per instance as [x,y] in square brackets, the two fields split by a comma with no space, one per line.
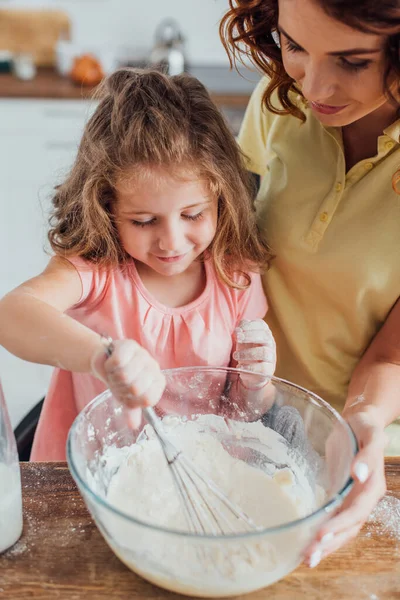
[65,54]
[24,67]
[10,482]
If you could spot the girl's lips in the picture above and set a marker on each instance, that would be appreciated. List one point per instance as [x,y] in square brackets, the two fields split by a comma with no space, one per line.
[326,109]
[169,259]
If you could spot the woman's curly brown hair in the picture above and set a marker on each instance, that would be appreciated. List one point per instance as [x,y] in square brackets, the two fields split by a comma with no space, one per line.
[247,30]
[146,120]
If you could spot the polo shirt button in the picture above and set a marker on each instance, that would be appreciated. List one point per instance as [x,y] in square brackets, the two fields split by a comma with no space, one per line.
[369,166]
[323,217]
[389,145]
[338,187]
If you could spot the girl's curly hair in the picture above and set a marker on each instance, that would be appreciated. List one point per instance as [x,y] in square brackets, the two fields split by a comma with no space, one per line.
[148,121]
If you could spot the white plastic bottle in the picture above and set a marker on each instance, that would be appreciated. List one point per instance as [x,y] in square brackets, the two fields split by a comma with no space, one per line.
[10,482]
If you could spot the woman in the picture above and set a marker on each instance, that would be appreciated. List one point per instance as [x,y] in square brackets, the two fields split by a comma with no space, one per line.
[321,133]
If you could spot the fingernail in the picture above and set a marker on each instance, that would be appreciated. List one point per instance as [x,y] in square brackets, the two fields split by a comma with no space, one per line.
[361,471]
[315,559]
[235,355]
[327,537]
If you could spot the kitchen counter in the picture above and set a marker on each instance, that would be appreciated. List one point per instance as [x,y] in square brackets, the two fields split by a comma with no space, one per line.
[62,555]
[226,87]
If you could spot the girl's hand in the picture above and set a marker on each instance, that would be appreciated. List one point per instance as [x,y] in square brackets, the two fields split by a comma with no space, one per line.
[255,347]
[133,376]
[369,486]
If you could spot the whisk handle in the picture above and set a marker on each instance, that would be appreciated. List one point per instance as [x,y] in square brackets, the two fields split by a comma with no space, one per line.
[171,453]
[154,421]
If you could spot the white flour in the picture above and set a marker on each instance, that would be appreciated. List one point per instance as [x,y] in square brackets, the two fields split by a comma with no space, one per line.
[10,506]
[385,518]
[142,486]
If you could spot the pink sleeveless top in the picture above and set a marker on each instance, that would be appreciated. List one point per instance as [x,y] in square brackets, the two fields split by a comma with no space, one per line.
[117,303]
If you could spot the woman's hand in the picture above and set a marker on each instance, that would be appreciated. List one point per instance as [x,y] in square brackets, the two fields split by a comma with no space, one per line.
[133,376]
[369,485]
[255,347]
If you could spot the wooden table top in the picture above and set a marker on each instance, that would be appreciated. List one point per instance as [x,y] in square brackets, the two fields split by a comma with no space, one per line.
[62,555]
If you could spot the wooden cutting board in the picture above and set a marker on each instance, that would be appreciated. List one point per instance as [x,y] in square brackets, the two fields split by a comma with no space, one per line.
[35,32]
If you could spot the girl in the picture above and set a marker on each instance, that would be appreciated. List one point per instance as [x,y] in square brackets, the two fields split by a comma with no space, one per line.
[155,244]
[322,132]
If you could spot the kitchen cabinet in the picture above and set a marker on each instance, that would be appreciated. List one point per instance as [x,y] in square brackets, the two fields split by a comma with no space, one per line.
[38,143]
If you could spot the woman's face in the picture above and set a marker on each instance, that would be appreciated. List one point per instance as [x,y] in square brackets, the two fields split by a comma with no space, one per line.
[340,70]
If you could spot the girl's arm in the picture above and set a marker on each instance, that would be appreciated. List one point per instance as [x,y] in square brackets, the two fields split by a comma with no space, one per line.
[255,351]
[33,325]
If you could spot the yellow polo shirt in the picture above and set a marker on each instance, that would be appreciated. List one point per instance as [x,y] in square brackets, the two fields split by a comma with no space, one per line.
[336,237]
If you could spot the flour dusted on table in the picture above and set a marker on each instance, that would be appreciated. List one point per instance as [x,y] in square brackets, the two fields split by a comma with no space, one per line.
[385,518]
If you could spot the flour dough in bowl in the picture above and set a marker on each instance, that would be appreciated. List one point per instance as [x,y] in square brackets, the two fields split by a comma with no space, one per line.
[142,487]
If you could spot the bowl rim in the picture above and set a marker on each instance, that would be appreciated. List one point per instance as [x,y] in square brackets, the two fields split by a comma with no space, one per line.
[327,507]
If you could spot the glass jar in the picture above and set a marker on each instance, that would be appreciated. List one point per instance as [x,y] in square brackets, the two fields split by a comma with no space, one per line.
[10,482]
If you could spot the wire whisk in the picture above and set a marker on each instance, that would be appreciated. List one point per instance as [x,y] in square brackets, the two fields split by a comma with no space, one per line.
[208,510]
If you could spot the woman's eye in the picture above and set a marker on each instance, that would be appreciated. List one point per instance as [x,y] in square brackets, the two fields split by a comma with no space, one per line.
[354,66]
[142,223]
[195,217]
[346,64]
[292,47]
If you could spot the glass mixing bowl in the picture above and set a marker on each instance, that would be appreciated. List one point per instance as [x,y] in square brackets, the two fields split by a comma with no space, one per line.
[318,447]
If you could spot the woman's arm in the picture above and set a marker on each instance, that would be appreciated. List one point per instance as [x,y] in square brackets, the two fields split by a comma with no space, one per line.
[33,325]
[373,402]
[375,384]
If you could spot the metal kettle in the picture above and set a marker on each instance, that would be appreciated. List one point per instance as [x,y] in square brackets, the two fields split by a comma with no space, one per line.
[168,52]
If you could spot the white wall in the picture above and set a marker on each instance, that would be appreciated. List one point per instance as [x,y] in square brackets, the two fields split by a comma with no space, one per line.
[131,23]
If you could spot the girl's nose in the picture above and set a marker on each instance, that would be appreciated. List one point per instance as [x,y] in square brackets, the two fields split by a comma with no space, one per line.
[171,238]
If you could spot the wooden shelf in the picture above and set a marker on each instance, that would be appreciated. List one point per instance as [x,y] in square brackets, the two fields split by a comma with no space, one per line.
[48,84]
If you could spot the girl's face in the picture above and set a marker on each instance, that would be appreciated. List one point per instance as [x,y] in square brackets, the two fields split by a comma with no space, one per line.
[339,69]
[165,222]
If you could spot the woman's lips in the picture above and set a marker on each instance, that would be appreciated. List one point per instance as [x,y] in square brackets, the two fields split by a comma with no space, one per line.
[327,109]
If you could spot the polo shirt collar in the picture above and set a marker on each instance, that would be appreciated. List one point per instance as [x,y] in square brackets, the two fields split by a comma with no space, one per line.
[393,131]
